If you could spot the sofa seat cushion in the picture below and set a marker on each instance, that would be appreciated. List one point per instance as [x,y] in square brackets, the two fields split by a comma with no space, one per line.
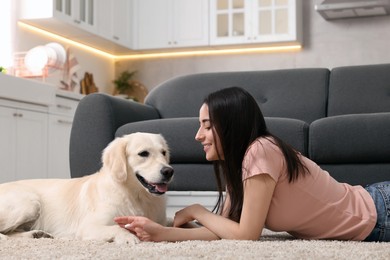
[356,138]
[180,135]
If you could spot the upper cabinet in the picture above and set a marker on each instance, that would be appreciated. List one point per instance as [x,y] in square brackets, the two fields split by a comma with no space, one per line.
[81,13]
[127,26]
[170,24]
[254,21]
[101,24]
[115,21]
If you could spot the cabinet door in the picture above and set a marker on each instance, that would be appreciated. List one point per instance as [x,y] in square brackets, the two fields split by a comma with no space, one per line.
[31,145]
[86,14]
[7,144]
[104,16]
[58,156]
[122,17]
[64,10]
[248,21]
[190,23]
[81,13]
[153,24]
[229,21]
[274,21]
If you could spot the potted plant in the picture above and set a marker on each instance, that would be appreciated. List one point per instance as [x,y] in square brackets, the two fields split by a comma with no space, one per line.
[123,84]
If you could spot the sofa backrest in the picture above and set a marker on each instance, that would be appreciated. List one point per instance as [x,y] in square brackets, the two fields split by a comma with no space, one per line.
[359,89]
[291,93]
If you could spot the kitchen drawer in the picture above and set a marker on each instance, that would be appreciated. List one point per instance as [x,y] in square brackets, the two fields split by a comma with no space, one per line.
[64,106]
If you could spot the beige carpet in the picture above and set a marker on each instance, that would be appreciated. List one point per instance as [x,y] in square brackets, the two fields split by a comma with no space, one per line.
[270,246]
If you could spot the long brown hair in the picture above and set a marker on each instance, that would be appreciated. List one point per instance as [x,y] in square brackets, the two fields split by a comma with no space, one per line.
[237,120]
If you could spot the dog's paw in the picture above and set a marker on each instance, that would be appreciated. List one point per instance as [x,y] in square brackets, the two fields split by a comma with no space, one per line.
[126,238]
[40,234]
[31,234]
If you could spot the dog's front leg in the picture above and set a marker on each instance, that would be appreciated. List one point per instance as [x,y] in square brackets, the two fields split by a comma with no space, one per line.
[107,233]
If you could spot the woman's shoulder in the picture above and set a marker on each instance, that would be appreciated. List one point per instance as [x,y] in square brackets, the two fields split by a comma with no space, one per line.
[263,143]
[265,147]
[263,156]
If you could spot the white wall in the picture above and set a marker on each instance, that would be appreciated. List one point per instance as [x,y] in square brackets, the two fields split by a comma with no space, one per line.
[326,44]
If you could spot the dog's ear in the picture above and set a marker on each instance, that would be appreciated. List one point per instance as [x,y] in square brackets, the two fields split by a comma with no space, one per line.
[115,159]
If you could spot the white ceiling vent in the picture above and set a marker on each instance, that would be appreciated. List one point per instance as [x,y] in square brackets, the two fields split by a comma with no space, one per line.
[337,9]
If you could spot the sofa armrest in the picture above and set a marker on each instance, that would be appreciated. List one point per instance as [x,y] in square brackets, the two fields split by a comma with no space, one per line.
[97,118]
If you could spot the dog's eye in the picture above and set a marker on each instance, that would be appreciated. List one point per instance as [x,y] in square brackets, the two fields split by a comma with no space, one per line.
[164,153]
[144,154]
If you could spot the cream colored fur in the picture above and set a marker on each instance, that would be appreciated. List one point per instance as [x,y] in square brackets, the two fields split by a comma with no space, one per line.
[84,208]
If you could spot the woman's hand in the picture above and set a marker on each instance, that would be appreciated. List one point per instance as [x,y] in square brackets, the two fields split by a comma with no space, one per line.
[188,214]
[144,228]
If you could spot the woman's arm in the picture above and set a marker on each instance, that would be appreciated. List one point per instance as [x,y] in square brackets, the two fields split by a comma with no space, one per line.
[258,191]
[148,230]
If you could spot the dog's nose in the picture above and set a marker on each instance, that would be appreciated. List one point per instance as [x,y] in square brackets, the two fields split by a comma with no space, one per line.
[167,172]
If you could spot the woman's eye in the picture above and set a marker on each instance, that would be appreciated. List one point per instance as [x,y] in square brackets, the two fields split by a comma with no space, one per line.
[144,154]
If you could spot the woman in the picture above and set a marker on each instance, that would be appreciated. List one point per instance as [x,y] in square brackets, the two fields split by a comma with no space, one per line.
[268,184]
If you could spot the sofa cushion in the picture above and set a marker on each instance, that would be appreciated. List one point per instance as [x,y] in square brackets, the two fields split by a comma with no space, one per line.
[359,89]
[290,93]
[358,138]
[292,131]
[180,135]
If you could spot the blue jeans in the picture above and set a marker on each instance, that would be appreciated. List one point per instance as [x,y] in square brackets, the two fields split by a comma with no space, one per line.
[380,192]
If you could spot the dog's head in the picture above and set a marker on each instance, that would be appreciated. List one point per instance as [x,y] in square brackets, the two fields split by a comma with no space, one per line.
[140,158]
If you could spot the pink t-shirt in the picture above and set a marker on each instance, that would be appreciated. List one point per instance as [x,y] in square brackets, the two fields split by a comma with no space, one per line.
[315,206]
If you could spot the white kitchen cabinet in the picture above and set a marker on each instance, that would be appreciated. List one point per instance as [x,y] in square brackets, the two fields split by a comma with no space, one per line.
[261,21]
[170,24]
[81,13]
[115,21]
[60,125]
[7,144]
[35,124]
[23,152]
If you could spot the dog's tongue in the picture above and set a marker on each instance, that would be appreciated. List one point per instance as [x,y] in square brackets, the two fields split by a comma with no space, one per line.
[162,187]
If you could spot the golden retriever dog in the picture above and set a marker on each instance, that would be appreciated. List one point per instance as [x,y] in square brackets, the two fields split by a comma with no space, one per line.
[132,181]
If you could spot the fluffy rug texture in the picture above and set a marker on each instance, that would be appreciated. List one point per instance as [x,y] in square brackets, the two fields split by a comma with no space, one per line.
[270,246]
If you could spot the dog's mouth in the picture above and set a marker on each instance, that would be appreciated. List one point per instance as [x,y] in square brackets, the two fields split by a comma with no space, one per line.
[155,188]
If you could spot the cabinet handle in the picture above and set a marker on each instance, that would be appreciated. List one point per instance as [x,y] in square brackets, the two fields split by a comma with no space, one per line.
[64,107]
[17,115]
[65,122]
[77,21]
[115,37]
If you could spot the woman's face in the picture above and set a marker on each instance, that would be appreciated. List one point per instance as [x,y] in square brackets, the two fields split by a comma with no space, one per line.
[206,137]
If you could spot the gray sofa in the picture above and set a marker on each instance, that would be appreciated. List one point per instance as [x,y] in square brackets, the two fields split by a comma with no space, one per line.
[340,118]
